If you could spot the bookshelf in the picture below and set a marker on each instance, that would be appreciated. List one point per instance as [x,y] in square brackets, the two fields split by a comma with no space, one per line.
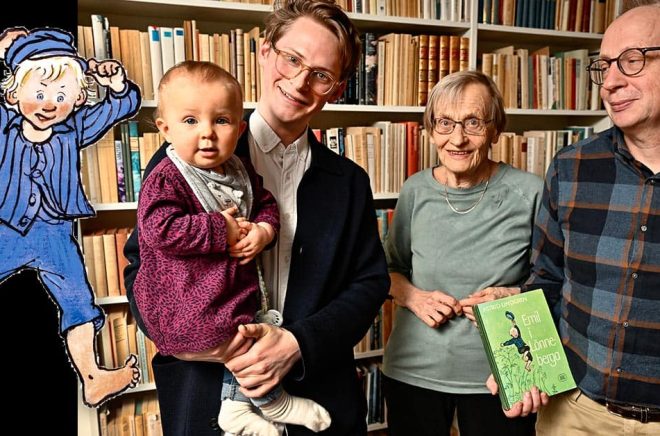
[221,16]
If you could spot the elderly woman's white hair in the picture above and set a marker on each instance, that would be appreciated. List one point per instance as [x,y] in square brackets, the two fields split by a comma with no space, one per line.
[450,89]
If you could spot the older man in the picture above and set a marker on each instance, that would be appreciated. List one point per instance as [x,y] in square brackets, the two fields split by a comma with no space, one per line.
[597,247]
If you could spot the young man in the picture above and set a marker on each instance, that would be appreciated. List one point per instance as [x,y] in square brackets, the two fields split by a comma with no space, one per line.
[327,273]
[596,247]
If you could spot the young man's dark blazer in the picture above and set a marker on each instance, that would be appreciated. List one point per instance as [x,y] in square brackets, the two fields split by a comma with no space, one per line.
[337,283]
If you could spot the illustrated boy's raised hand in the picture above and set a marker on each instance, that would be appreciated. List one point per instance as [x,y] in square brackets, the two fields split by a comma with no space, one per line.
[259,235]
[8,36]
[108,73]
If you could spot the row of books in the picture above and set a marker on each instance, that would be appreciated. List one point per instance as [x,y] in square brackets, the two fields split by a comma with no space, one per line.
[450,10]
[395,69]
[148,55]
[132,415]
[105,261]
[388,151]
[447,10]
[542,81]
[565,15]
[534,149]
[111,170]
[122,337]
[407,66]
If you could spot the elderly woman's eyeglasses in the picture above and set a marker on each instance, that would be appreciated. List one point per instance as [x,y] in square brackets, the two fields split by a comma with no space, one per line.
[290,66]
[471,126]
[630,63]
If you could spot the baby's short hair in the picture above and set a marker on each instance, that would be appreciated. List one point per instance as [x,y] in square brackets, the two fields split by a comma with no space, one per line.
[205,72]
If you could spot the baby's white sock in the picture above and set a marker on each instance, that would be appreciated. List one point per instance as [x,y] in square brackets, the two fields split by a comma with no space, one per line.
[240,418]
[296,410]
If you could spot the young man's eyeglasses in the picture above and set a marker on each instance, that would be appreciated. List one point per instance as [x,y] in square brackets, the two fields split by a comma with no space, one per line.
[471,126]
[630,63]
[289,65]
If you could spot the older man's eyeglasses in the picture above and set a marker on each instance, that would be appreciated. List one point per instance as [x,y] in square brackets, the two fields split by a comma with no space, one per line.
[290,66]
[471,126]
[630,63]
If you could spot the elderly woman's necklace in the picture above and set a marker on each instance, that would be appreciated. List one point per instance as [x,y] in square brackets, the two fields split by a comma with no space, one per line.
[469,209]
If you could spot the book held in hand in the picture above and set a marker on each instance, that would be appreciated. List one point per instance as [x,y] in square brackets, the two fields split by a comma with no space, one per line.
[523,346]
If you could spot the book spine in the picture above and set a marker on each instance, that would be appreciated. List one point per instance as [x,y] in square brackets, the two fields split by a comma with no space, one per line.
[491,358]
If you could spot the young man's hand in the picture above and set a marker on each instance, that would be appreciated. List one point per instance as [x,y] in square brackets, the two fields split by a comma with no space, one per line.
[265,364]
[221,353]
[108,73]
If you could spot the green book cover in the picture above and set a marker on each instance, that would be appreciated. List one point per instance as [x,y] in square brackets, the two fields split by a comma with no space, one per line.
[523,346]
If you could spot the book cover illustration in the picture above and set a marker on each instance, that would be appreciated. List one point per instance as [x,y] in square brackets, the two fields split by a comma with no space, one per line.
[523,346]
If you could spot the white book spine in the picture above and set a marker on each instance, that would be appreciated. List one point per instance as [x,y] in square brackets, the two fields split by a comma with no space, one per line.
[167,47]
[179,45]
[156,56]
[99,36]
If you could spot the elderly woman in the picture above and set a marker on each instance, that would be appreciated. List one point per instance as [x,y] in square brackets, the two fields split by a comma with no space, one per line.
[462,232]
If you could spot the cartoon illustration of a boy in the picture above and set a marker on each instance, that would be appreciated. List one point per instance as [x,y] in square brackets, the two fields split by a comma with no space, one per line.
[44,124]
[517,340]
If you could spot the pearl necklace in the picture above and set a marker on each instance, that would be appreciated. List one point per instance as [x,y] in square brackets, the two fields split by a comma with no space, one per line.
[469,209]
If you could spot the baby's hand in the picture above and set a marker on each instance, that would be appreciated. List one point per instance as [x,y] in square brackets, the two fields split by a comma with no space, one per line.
[259,235]
[108,73]
[234,231]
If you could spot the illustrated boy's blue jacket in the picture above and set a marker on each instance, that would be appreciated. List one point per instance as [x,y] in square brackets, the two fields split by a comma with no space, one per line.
[47,174]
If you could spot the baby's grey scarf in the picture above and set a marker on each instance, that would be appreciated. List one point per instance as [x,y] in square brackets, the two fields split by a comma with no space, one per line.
[215,191]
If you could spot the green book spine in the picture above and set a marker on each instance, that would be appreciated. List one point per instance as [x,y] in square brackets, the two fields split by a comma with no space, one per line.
[523,346]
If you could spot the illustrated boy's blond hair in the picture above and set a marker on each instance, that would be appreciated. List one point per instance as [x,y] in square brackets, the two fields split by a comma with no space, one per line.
[49,69]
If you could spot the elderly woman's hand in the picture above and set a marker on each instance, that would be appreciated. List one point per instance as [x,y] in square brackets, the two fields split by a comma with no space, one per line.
[487,294]
[434,308]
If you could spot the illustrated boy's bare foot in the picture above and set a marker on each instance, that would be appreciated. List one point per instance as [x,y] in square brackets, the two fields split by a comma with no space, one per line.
[101,384]
[299,411]
[240,418]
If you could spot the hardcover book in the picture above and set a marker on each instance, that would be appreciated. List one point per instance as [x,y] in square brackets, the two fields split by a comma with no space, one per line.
[523,346]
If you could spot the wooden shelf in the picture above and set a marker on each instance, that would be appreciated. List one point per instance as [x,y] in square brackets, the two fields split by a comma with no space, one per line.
[105,301]
[369,354]
[538,36]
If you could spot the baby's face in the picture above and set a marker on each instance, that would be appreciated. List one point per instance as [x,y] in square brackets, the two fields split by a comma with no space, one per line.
[202,120]
[46,102]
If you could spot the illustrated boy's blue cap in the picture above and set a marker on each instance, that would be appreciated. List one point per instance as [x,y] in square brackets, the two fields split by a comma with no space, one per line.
[42,43]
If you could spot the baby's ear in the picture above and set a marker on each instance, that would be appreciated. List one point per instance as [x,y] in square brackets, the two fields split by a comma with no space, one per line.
[11,98]
[163,128]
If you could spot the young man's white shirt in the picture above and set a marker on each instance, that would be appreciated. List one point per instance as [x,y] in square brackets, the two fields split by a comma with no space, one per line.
[282,169]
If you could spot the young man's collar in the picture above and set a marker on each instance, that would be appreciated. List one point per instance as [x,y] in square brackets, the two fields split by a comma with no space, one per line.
[266,138]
